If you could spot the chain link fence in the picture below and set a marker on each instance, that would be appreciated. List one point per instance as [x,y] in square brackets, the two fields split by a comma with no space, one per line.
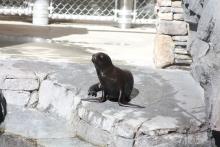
[100,10]
[82,9]
[16,7]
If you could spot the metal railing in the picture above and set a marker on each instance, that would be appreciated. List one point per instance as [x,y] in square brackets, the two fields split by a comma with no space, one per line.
[100,10]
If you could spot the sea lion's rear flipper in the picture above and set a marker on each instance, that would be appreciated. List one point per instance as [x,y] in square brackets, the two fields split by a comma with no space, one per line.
[90,99]
[130,105]
[123,101]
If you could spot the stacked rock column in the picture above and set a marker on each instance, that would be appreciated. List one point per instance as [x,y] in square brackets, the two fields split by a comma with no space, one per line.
[172,34]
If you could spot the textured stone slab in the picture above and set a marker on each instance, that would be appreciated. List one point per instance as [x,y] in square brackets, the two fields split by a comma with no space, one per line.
[13,73]
[177,4]
[30,128]
[178,10]
[194,140]
[21,84]
[35,124]
[182,57]
[178,17]
[51,99]
[163,3]
[63,142]
[16,97]
[11,140]
[183,61]
[165,16]
[180,38]
[182,51]
[180,43]
[172,27]
[165,9]
[163,54]
[33,100]
[205,49]
[92,134]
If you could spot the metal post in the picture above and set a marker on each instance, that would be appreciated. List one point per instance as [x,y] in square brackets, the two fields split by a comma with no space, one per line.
[40,12]
[125,13]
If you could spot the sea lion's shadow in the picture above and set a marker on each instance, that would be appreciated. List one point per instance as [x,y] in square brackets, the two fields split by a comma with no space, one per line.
[134,93]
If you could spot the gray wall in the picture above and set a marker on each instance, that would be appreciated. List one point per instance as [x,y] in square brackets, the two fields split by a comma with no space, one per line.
[204,46]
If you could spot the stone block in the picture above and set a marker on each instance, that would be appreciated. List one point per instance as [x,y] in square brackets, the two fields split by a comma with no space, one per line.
[183,61]
[165,16]
[33,101]
[163,54]
[180,38]
[163,3]
[21,84]
[178,10]
[172,27]
[178,17]
[11,140]
[51,98]
[97,119]
[128,127]
[173,140]
[16,97]
[165,9]
[122,142]
[199,48]
[177,4]
[92,134]
[180,43]
[182,51]
[182,57]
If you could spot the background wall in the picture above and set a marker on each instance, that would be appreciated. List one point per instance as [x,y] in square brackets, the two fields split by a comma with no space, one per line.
[172,34]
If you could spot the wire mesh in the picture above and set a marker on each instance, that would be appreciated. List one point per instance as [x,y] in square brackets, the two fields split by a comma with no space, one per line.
[13,7]
[80,9]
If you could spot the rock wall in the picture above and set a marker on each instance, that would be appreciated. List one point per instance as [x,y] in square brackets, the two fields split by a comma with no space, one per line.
[172,34]
[204,20]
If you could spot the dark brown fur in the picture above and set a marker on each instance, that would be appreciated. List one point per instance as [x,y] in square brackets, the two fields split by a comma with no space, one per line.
[3,107]
[116,84]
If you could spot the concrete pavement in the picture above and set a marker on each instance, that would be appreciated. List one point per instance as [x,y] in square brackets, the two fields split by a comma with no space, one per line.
[76,43]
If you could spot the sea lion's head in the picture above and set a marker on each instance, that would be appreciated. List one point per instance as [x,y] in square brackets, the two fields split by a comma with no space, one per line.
[101,60]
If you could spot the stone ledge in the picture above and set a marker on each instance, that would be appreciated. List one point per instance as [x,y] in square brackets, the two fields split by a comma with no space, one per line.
[173,104]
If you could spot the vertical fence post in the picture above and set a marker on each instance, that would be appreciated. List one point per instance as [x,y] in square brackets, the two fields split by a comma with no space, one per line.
[125,13]
[40,12]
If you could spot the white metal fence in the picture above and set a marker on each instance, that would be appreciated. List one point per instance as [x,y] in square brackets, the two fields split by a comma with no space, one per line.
[101,10]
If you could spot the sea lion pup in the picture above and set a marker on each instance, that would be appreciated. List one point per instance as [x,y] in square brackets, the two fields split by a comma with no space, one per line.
[116,84]
[3,107]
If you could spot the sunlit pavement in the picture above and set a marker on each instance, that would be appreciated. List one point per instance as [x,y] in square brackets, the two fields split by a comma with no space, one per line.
[76,42]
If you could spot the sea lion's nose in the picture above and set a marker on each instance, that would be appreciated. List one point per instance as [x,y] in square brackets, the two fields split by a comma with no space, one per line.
[93,58]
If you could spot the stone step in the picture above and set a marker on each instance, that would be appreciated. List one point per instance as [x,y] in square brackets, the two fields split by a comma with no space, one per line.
[39,128]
